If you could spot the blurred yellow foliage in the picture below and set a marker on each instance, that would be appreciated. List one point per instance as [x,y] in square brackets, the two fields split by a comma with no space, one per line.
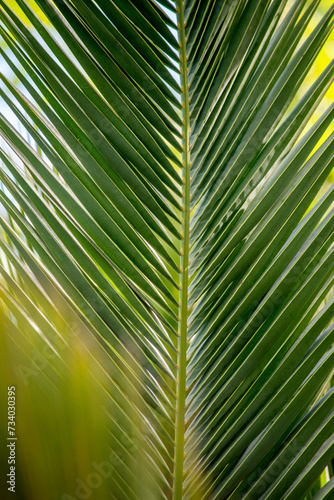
[13,5]
[323,59]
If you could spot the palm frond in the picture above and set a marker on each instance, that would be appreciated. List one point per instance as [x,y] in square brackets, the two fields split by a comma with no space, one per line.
[165,208]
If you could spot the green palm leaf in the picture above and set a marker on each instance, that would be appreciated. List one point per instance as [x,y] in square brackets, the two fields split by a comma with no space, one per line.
[164,209]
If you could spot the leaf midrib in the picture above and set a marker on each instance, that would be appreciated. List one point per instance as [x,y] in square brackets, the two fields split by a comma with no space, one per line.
[185,226]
